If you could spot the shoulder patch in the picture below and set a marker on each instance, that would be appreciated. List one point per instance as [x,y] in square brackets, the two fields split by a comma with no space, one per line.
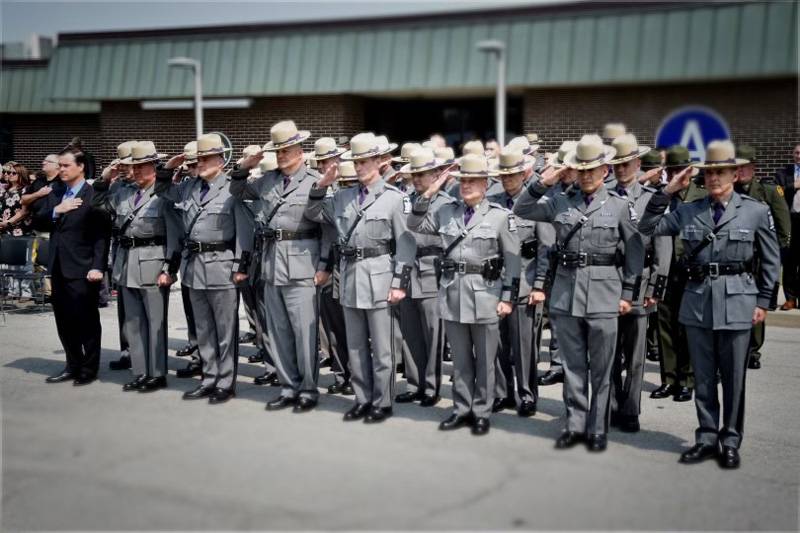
[406,205]
[779,190]
[512,223]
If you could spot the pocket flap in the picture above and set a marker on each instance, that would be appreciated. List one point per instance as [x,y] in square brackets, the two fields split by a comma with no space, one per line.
[741,235]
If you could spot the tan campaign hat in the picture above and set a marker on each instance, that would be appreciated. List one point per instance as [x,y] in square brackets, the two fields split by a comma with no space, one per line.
[347,171]
[362,146]
[325,148]
[533,139]
[446,154]
[589,153]
[142,152]
[512,161]
[285,133]
[627,148]
[473,147]
[250,149]
[521,144]
[268,162]
[190,153]
[612,130]
[405,152]
[565,148]
[210,144]
[422,160]
[472,166]
[385,145]
[123,152]
[721,154]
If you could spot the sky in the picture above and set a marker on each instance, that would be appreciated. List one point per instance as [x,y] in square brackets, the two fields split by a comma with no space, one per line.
[21,18]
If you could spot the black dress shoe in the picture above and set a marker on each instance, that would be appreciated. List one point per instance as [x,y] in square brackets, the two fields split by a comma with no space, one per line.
[503,403]
[135,384]
[568,439]
[123,363]
[664,391]
[65,375]
[629,424]
[729,458]
[191,370]
[753,364]
[683,394]
[187,350]
[247,338]
[257,358]
[153,383]
[597,443]
[377,415]
[429,400]
[358,411]
[221,396]
[347,389]
[653,356]
[455,421]
[698,453]
[551,377]
[84,379]
[281,402]
[304,404]
[527,408]
[198,393]
[407,397]
[480,426]
[336,388]
[267,378]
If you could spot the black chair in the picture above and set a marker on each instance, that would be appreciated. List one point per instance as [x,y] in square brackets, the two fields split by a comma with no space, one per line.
[15,262]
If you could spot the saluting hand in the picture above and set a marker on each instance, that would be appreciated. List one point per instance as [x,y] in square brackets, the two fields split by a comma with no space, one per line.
[550,175]
[329,177]
[679,181]
[175,161]
[652,176]
[438,183]
[252,160]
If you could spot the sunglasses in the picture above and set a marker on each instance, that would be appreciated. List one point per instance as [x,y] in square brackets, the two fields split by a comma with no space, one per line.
[10,172]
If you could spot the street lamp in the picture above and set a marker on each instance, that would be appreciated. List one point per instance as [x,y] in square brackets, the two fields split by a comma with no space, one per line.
[186,62]
[498,49]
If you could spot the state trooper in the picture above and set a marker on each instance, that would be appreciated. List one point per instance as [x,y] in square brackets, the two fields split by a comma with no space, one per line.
[419,320]
[376,253]
[588,292]
[540,161]
[772,194]
[292,263]
[403,180]
[481,247]
[632,327]
[218,236]
[724,298]
[520,331]
[146,263]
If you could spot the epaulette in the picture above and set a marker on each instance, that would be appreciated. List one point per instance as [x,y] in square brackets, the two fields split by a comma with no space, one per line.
[650,188]
[615,194]
[498,206]
[313,172]
[449,199]
[390,187]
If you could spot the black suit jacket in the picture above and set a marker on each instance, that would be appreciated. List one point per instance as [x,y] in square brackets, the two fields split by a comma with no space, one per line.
[79,239]
[785,178]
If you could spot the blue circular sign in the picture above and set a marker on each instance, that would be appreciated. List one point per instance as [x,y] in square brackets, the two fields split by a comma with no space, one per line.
[693,127]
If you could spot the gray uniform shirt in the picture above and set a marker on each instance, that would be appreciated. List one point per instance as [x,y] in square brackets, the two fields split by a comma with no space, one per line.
[424,282]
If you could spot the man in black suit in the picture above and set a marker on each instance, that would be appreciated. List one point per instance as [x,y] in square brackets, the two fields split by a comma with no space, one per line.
[788,178]
[78,256]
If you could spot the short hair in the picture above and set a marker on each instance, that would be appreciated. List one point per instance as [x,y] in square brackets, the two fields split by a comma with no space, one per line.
[80,157]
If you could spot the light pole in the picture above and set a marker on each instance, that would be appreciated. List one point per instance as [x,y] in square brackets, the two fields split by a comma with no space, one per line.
[498,49]
[196,66]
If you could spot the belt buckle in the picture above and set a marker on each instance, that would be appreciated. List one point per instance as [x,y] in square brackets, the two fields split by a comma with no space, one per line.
[461,267]
[277,234]
[713,270]
[359,253]
[583,259]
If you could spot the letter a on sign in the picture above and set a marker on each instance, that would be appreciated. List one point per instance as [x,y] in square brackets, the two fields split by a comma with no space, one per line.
[693,127]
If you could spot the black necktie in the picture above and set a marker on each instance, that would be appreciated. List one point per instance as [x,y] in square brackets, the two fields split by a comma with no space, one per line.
[622,191]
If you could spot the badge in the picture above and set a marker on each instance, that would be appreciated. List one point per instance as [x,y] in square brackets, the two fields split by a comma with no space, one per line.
[632,211]
[771,220]
[779,189]
[512,223]
[406,205]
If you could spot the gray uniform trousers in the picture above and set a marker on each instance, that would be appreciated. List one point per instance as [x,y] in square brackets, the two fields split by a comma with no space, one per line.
[370,341]
[216,312]
[474,351]
[587,350]
[726,350]
[292,323]
[332,318]
[421,329]
[262,338]
[630,356]
[555,354]
[519,350]
[146,329]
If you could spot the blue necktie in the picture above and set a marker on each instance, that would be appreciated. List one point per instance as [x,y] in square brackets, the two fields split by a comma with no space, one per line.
[68,194]
[204,188]
[718,210]
[468,212]
[622,191]
[362,194]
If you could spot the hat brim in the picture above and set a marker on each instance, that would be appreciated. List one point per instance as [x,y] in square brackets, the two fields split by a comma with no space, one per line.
[527,163]
[408,169]
[215,151]
[389,149]
[736,163]
[469,176]
[129,160]
[271,146]
[641,150]
[571,159]
[339,151]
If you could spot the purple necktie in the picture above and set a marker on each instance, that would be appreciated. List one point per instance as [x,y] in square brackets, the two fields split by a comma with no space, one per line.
[137,198]
[362,194]
[622,191]
[286,181]
[204,188]
[587,200]
[509,202]
[718,210]
[468,212]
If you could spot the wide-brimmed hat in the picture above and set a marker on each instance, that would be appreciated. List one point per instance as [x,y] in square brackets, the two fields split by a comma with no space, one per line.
[472,166]
[533,139]
[285,133]
[651,160]
[249,150]
[446,154]
[589,154]
[123,152]
[211,144]
[347,171]
[422,160]
[405,152]
[565,148]
[142,152]
[522,144]
[677,156]
[627,148]
[473,147]
[612,130]
[384,144]
[512,161]
[721,154]
[325,148]
[745,151]
[363,146]
[268,162]
[190,153]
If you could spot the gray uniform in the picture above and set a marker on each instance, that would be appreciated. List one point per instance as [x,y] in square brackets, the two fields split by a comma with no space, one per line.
[419,319]
[368,270]
[291,257]
[467,300]
[632,327]
[120,189]
[587,288]
[148,243]
[218,221]
[720,297]
[521,330]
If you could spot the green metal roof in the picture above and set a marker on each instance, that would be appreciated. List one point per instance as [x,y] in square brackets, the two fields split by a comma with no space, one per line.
[24,89]
[557,46]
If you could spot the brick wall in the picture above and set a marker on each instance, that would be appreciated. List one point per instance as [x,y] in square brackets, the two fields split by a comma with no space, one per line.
[762,114]
[34,136]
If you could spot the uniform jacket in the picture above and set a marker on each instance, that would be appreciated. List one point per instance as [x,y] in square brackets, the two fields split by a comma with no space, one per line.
[785,178]
[772,195]
[424,279]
